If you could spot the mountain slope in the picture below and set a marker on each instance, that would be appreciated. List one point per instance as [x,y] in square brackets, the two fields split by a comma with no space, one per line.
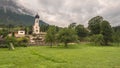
[16,19]
[13,18]
[11,13]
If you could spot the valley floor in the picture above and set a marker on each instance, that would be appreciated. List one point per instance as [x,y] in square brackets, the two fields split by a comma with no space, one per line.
[76,56]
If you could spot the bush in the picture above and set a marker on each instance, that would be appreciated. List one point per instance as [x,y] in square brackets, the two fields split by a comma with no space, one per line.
[22,41]
[10,40]
[97,39]
[18,42]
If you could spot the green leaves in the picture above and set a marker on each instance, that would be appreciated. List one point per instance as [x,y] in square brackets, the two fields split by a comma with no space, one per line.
[99,26]
[97,39]
[94,24]
[106,31]
[81,31]
[67,35]
[51,35]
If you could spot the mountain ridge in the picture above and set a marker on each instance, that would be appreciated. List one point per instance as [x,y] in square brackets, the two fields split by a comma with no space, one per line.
[11,13]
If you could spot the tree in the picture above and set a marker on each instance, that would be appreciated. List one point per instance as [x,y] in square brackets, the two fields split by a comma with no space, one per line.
[94,24]
[81,31]
[44,27]
[22,41]
[30,30]
[4,32]
[51,35]
[72,25]
[66,36]
[10,27]
[10,41]
[97,39]
[116,35]
[106,31]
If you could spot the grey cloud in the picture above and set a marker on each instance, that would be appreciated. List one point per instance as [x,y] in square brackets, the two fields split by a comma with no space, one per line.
[64,12]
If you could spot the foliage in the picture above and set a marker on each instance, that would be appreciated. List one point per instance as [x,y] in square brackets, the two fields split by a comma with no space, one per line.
[97,39]
[81,32]
[116,28]
[17,41]
[10,39]
[72,25]
[4,32]
[67,35]
[106,31]
[22,41]
[94,24]
[116,35]
[99,26]
[44,28]
[51,35]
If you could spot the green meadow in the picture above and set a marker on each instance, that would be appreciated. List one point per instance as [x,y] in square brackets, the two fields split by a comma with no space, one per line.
[75,56]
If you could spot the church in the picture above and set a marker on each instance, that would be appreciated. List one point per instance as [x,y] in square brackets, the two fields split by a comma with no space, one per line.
[36,27]
[37,37]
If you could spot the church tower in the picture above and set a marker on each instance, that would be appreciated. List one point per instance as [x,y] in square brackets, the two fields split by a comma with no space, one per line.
[36,27]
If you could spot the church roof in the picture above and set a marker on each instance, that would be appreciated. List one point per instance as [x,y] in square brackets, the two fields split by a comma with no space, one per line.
[37,16]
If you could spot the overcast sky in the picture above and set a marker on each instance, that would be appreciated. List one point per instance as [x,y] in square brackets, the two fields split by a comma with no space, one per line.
[64,12]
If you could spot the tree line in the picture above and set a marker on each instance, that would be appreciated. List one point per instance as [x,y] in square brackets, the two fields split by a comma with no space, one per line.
[99,31]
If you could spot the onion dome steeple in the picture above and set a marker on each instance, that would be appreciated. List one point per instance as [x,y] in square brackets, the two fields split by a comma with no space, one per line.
[37,16]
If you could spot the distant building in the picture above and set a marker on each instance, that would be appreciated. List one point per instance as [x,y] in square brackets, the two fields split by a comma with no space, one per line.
[36,27]
[38,37]
[20,33]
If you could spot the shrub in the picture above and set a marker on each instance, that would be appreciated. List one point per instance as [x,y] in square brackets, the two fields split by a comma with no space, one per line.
[10,41]
[97,39]
[22,41]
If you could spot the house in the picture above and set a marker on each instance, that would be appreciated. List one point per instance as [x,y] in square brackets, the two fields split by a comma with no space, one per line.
[20,33]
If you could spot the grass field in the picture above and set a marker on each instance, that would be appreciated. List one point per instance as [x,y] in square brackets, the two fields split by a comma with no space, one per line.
[76,56]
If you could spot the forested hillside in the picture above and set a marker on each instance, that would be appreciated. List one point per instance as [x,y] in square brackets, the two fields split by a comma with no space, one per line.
[10,17]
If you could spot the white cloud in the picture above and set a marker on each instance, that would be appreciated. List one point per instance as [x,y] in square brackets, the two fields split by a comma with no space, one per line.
[64,12]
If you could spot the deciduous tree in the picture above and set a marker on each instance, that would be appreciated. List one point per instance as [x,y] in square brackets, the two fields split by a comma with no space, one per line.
[81,31]
[106,31]
[94,24]
[51,35]
[67,36]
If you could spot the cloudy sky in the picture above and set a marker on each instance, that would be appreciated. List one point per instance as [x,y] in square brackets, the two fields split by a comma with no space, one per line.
[64,12]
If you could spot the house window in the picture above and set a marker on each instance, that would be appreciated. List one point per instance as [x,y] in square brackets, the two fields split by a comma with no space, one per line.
[21,32]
